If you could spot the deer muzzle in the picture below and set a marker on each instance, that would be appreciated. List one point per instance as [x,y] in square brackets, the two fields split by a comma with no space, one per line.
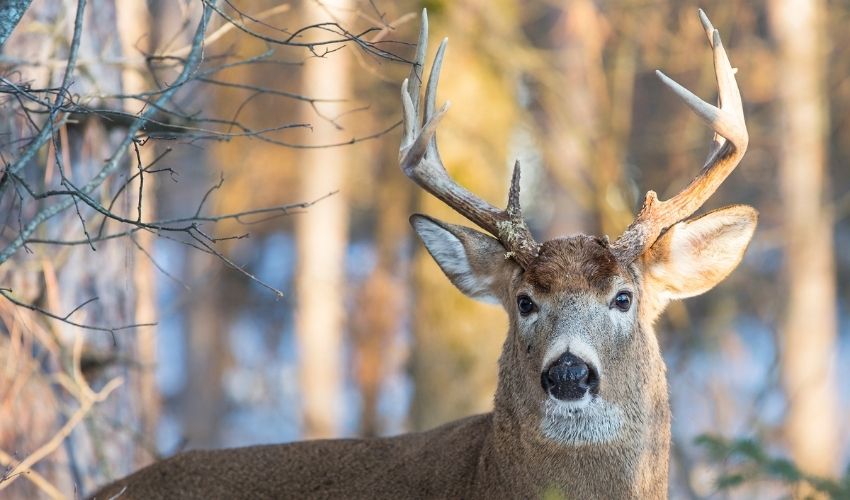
[569,378]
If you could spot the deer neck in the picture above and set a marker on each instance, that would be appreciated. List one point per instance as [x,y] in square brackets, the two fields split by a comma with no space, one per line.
[635,465]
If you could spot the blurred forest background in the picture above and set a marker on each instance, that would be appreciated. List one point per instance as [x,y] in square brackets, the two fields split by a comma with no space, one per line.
[204,237]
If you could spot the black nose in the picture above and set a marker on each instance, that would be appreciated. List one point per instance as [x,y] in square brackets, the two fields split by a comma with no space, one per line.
[569,378]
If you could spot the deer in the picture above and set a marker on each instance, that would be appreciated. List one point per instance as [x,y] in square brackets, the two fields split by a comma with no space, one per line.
[581,408]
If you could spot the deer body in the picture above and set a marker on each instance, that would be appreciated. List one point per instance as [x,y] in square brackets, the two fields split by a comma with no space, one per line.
[484,456]
[462,459]
[439,463]
[581,408]
[496,455]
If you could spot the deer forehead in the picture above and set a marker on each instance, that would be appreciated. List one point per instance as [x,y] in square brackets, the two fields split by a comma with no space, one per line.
[576,264]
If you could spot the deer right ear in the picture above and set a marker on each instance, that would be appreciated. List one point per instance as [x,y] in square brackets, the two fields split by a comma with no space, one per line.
[697,253]
[474,262]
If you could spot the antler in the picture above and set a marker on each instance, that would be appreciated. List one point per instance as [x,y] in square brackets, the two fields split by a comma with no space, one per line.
[728,147]
[421,162]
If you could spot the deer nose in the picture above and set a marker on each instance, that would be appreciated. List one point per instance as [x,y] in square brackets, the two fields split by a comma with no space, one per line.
[569,378]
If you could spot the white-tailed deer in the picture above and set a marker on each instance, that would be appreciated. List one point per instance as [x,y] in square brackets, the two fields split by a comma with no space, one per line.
[581,408]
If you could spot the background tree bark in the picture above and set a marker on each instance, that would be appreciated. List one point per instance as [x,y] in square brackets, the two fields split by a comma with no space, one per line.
[207,327]
[137,33]
[809,331]
[322,236]
[382,301]
[591,114]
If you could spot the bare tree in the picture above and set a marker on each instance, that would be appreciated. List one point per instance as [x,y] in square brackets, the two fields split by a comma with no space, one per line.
[81,116]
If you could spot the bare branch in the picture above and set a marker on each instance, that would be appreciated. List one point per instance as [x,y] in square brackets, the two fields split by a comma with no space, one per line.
[192,61]
[186,223]
[11,12]
[342,34]
[7,294]
[34,477]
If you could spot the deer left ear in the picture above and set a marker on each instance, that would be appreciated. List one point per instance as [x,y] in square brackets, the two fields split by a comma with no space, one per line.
[474,262]
[696,254]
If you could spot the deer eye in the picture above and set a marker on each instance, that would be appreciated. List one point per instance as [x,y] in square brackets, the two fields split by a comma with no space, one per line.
[623,301]
[525,305]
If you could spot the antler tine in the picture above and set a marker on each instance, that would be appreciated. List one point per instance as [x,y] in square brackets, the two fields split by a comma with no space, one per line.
[431,95]
[420,161]
[417,69]
[730,144]
[717,139]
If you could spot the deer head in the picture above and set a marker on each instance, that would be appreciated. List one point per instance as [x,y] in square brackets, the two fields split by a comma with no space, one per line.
[581,364]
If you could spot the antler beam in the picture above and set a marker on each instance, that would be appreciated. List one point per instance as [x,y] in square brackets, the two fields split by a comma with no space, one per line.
[728,147]
[420,161]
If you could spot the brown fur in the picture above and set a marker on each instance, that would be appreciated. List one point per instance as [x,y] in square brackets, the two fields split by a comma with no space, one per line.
[634,465]
[462,459]
[346,468]
[579,261]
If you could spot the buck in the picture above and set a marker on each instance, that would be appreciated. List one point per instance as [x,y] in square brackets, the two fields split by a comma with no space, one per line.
[581,409]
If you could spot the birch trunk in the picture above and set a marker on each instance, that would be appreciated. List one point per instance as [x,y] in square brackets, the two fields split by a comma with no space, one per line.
[136,32]
[322,235]
[809,331]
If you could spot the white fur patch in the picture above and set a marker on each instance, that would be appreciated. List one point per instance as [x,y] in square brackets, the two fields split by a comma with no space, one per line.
[594,421]
[575,345]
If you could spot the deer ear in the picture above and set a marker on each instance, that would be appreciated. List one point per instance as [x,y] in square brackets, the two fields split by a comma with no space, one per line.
[696,254]
[474,262]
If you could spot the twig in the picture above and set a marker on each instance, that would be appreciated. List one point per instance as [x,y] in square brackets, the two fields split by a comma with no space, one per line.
[228,27]
[25,466]
[34,477]
[334,28]
[194,58]
[47,131]
[279,210]
[6,293]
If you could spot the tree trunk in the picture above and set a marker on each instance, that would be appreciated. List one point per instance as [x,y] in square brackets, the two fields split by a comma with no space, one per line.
[809,331]
[382,301]
[136,32]
[322,236]
[206,338]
